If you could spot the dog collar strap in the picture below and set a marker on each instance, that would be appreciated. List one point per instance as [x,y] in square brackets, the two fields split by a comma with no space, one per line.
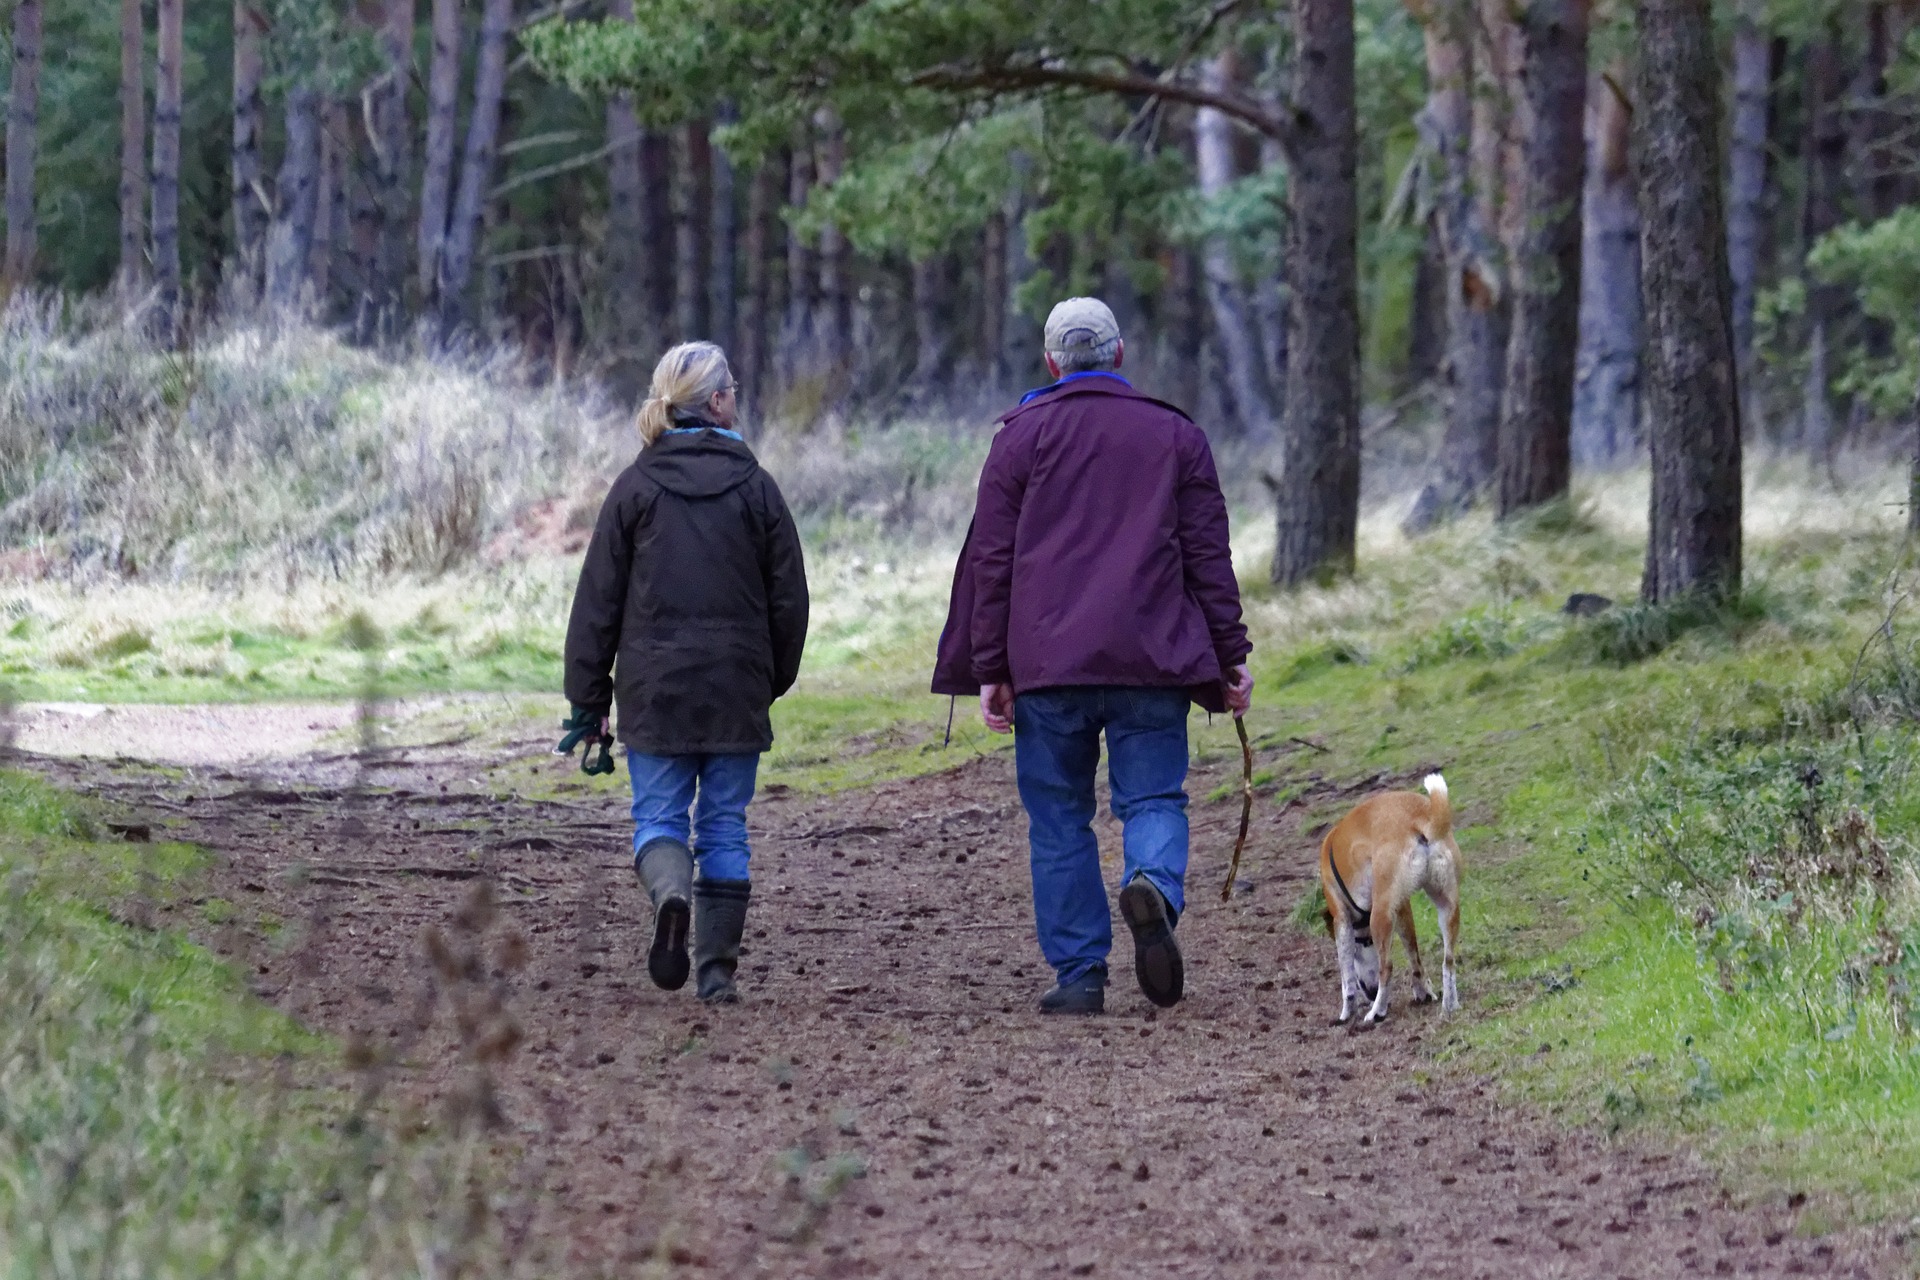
[1359,919]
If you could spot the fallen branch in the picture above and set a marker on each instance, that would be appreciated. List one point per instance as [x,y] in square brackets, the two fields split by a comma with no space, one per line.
[1246,807]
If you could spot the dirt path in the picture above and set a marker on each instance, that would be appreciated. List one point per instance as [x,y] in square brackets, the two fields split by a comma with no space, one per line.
[888,1026]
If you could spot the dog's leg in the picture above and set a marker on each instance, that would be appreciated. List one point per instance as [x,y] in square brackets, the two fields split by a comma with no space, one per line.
[1449,908]
[1349,985]
[1383,943]
[1422,993]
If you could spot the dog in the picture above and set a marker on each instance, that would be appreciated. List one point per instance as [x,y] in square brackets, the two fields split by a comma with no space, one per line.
[1371,863]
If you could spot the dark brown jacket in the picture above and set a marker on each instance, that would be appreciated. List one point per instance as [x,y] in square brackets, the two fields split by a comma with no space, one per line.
[694,597]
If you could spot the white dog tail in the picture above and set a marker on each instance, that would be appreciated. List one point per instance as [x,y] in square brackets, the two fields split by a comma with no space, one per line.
[1439,808]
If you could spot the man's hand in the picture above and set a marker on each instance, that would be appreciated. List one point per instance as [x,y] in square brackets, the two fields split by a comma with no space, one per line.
[996,707]
[1239,690]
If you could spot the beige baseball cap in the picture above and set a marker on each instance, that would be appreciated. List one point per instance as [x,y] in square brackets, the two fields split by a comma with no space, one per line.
[1080,322]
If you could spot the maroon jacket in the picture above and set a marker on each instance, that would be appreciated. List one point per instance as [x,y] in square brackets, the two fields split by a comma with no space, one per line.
[1098,553]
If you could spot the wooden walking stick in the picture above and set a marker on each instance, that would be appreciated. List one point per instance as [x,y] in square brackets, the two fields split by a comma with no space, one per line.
[1246,807]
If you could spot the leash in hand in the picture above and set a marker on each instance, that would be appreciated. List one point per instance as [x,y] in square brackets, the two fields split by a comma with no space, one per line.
[1246,807]
[584,726]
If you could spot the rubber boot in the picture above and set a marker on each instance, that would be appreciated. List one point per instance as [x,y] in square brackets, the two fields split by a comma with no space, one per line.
[717,926]
[665,868]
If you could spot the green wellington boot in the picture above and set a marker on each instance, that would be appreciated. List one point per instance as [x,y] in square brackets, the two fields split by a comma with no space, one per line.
[665,868]
[718,922]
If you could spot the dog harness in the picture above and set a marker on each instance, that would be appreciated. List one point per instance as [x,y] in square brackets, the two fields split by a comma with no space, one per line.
[1361,921]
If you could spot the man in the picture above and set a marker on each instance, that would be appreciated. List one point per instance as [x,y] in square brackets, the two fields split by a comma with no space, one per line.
[1096,593]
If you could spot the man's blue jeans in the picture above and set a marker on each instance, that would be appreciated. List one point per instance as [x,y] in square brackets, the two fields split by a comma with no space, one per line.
[664,790]
[1056,754]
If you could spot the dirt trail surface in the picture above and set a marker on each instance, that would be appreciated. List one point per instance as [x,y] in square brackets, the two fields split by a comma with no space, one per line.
[887,1027]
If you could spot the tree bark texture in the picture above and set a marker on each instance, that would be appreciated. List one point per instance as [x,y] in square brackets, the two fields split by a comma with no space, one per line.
[133,144]
[23,140]
[165,218]
[657,237]
[1693,406]
[1270,297]
[993,302]
[390,133]
[1536,415]
[929,329]
[476,165]
[797,332]
[250,212]
[1826,160]
[1318,495]
[436,175]
[1427,323]
[296,197]
[1233,321]
[762,198]
[693,223]
[330,201]
[625,270]
[1606,398]
[835,324]
[724,280]
[1747,173]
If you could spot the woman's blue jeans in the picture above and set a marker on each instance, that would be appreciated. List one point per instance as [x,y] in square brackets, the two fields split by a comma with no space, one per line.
[665,789]
[1056,755]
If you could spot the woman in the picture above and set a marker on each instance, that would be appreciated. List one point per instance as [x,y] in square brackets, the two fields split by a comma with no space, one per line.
[694,597]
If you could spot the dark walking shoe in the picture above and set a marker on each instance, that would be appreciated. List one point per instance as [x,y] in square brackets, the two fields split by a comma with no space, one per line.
[1085,994]
[665,868]
[1156,956]
[717,928]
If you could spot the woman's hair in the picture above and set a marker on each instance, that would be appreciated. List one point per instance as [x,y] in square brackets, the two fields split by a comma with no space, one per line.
[684,380]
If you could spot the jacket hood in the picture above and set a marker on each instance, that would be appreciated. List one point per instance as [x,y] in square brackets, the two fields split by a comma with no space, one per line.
[705,464]
[1076,387]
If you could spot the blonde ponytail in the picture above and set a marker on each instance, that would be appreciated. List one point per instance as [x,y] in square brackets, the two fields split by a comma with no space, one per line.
[686,378]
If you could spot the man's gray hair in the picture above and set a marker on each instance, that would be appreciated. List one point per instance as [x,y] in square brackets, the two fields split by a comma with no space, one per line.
[1099,358]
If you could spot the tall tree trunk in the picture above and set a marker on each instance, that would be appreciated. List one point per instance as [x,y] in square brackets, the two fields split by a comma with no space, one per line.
[929,331]
[249,124]
[626,277]
[836,300]
[762,196]
[296,193]
[657,239]
[724,305]
[1463,130]
[1270,297]
[993,302]
[1536,415]
[165,222]
[23,139]
[797,342]
[1825,188]
[1606,398]
[390,133]
[1226,294]
[693,226]
[133,144]
[1747,174]
[476,166]
[1693,403]
[1872,171]
[1427,322]
[330,201]
[1183,321]
[1318,495]
[1020,348]
[443,118]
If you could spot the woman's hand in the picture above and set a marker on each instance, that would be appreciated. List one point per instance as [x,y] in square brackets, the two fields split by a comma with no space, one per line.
[996,707]
[1239,687]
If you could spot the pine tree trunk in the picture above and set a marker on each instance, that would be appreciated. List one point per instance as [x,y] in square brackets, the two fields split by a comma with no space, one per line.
[1747,173]
[657,240]
[296,193]
[1536,415]
[626,276]
[476,166]
[23,140]
[249,124]
[1693,406]
[929,333]
[1270,299]
[165,223]
[436,175]
[1462,130]
[835,325]
[330,202]
[133,144]
[1318,495]
[1825,187]
[391,134]
[1226,295]
[1606,398]
[762,197]
[693,225]
[993,302]
[1427,323]
[796,332]
[724,290]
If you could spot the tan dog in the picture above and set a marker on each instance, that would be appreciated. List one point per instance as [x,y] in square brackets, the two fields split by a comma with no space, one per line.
[1370,865]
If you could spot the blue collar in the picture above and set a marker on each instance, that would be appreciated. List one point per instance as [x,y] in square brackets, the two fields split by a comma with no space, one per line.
[1073,377]
[694,431]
